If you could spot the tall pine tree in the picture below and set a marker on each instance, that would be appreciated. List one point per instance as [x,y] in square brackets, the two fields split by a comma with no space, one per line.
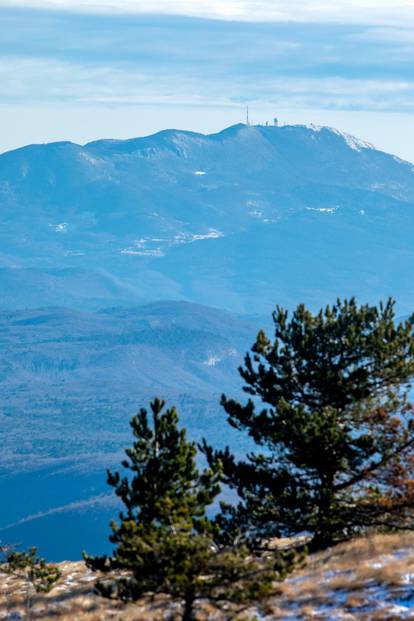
[329,410]
[164,540]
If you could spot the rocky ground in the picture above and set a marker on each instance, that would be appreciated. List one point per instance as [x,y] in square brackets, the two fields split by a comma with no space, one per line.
[367,579]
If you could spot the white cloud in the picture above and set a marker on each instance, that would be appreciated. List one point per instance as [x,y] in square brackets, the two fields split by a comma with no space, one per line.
[350,11]
[37,80]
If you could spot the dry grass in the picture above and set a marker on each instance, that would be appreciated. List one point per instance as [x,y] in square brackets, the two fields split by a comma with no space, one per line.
[371,579]
[362,579]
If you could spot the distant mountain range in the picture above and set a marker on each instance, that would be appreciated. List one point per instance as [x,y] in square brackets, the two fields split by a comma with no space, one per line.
[69,383]
[239,220]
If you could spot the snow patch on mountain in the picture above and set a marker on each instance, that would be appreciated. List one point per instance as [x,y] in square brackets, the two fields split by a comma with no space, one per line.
[156,246]
[212,361]
[356,144]
[213,358]
[189,238]
[323,209]
[89,158]
[62,227]
[143,253]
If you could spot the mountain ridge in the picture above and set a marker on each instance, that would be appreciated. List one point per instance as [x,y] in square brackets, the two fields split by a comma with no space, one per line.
[350,139]
[134,213]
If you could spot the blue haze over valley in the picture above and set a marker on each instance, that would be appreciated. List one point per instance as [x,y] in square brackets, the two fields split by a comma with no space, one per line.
[135,267]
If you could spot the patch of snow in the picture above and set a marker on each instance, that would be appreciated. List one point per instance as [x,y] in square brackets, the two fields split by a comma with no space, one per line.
[89,158]
[298,579]
[397,610]
[144,241]
[88,579]
[62,227]
[212,234]
[401,553]
[315,128]
[401,161]
[212,361]
[143,253]
[189,238]
[353,143]
[200,173]
[157,246]
[323,209]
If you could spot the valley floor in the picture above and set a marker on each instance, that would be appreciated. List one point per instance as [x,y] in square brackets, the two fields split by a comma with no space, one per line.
[366,579]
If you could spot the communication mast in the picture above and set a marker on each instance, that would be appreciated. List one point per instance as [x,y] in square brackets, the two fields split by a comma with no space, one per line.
[247,116]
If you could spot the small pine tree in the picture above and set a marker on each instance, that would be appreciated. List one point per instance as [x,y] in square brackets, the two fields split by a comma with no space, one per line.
[164,540]
[39,576]
[336,426]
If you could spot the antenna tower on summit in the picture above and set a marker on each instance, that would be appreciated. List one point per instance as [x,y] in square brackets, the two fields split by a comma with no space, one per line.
[247,116]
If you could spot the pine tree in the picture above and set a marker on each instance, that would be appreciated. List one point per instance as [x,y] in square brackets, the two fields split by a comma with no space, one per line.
[329,410]
[164,540]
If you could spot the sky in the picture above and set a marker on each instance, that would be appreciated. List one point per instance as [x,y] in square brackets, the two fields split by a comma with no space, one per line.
[86,69]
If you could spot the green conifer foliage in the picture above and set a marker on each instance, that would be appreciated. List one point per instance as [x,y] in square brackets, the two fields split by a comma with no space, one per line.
[330,411]
[164,543]
[38,576]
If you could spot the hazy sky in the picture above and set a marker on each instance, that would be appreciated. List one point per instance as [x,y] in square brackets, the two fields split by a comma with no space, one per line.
[83,69]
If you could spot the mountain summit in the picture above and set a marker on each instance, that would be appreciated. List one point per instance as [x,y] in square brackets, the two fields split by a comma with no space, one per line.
[240,219]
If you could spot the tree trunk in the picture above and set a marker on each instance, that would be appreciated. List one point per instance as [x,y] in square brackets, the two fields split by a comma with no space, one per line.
[324,536]
[29,603]
[188,612]
[320,541]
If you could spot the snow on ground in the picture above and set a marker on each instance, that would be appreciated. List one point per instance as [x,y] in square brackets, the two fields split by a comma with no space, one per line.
[143,253]
[62,227]
[353,143]
[156,246]
[212,361]
[323,209]
[365,580]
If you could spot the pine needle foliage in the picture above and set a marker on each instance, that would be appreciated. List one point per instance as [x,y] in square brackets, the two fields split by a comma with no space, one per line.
[164,541]
[330,415]
[38,575]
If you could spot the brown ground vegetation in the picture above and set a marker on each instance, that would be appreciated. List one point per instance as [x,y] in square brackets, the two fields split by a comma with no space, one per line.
[369,579]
